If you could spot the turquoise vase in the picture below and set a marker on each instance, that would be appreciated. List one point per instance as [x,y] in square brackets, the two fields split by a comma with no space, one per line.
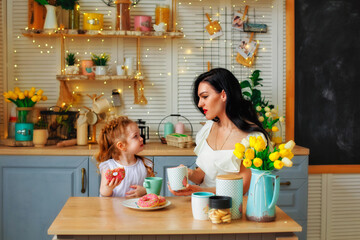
[24,131]
[262,196]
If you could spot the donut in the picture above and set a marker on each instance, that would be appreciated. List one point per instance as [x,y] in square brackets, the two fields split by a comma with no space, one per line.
[162,201]
[117,173]
[148,201]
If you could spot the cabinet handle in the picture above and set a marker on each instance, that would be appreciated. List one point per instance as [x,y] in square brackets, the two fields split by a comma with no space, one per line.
[83,172]
[288,183]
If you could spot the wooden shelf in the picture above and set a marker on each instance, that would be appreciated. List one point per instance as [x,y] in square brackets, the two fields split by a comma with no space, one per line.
[95,78]
[106,34]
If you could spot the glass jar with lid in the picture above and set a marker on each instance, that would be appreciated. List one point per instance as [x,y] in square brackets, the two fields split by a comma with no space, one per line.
[220,209]
[162,15]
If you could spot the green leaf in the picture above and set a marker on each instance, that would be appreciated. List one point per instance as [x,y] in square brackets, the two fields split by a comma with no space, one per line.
[247,94]
[245,84]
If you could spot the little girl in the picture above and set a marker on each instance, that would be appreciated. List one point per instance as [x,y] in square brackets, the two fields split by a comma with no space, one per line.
[119,142]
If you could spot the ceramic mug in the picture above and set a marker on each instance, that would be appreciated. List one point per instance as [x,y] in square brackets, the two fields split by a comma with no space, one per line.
[40,137]
[100,70]
[101,105]
[86,67]
[153,185]
[178,177]
[200,204]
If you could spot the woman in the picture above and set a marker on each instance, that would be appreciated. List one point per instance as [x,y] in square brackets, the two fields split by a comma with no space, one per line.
[231,118]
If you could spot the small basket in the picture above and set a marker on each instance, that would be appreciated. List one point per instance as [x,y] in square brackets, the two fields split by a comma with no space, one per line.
[162,139]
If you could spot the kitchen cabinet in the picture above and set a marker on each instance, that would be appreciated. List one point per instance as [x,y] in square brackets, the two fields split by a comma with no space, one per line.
[293,196]
[161,163]
[33,190]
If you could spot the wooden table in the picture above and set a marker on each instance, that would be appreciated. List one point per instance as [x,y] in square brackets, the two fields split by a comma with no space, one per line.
[106,218]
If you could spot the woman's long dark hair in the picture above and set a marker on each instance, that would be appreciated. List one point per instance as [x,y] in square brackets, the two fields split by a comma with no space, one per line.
[239,110]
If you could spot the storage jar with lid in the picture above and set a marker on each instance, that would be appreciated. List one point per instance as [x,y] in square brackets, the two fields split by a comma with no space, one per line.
[162,15]
[220,209]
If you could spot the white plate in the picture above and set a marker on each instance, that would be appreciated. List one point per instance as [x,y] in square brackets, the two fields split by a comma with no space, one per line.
[131,203]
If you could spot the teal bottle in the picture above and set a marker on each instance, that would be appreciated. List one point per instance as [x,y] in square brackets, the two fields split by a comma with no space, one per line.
[262,196]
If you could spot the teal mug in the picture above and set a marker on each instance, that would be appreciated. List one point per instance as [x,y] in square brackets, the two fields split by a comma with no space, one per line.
[153,185]
[24,131]
[168,128]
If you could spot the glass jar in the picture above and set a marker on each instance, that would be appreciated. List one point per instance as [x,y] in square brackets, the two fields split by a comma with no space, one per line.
[74,17]
[122,15]
[220,209]
[162,15]
[22,114]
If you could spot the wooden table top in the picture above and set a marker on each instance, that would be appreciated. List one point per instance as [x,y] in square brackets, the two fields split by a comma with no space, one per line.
[151,149]
[107,216]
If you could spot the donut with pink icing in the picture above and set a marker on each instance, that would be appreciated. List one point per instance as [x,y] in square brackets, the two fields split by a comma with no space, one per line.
[162,201]
[117,173]
[148,201]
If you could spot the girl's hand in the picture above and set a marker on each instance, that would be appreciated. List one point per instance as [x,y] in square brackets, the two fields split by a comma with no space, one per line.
[138,191]
[107,187]
[187,191]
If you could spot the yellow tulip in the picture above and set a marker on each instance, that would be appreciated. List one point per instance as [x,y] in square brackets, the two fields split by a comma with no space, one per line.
[6,95]
[17,89]
[282,146]
[40,92]
[31,94]
[7,100]
[33,89]
[34,98]
[249,154]
[252,141]
[286,153]
[260,144]
[44,98]
[258,162]
[238,154]
[245,142]
[26,93]
[274,111]
[258,108]
[12,95]
[261,119]
[247,163]
[278,164]
[268,114]
[274,129]
[267,109]
[21,96]
[239,147]
[274,156]
[287,162]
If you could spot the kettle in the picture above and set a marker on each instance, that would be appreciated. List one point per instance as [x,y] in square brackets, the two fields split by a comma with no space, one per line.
[144,130]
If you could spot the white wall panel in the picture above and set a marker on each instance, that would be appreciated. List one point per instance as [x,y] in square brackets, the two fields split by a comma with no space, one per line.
[3,66]
[169,66]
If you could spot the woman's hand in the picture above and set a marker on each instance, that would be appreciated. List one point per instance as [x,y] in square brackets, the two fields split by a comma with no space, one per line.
[187,191]
[138,191]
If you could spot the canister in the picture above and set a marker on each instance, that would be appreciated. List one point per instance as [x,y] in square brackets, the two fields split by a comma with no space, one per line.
[142,23]
[162,15]
[24,131]
[122,14]
[82,130]
[231,185]
[93,21]
[168,128]
[220,209]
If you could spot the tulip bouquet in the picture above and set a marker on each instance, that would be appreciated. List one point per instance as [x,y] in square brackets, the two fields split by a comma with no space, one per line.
[26,99]
[257,155]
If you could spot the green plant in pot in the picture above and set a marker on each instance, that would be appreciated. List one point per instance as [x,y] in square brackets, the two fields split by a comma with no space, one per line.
[73,7]
[100,62]
[40,134]
[71,67]
[268,114]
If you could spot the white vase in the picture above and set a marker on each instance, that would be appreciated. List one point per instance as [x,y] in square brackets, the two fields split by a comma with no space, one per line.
[40,137]
[50,19]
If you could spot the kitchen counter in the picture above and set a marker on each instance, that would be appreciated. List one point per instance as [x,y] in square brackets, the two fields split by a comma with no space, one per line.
[83,217]
[151,149]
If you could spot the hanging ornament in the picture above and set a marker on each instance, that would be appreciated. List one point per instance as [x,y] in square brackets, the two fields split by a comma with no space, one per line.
[139,96]
[213,28]
[247,50]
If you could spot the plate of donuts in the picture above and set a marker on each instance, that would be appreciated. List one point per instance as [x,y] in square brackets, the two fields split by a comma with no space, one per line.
[147,202]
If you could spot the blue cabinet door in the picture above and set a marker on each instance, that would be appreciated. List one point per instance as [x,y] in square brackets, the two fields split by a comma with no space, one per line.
[33,191]
[162,163]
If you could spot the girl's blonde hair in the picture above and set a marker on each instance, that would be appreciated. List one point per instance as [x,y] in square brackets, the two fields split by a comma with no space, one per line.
[110,135]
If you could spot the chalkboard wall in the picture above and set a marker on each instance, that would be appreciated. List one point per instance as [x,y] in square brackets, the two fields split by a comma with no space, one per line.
[327,80]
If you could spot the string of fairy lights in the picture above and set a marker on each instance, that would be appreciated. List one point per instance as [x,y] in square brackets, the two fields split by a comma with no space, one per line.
[46,46]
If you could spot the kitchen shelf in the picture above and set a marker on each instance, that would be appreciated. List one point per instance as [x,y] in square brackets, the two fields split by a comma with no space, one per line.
[96,78]
[106,34]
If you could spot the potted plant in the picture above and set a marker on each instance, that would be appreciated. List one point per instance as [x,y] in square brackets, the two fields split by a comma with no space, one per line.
[71,68]
[100,62]
[40,133]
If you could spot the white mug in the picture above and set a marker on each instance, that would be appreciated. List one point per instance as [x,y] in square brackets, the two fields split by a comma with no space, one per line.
[100,70]
[101,105]
[178,177]
[200,204]
[120,70]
